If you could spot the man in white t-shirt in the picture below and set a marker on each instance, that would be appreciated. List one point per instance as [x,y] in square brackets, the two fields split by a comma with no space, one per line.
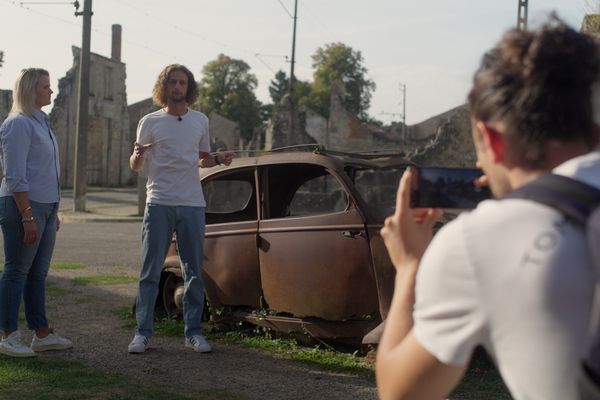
[172,142]
[512,275]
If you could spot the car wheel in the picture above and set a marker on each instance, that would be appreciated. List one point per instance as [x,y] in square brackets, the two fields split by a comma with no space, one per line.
[172,295]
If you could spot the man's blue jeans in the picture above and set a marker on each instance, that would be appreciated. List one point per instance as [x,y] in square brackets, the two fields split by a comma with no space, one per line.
[157,230]
[25,267]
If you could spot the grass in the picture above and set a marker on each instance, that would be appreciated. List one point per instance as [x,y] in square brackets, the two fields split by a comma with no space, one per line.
[327,358]
[482,380]
[46,379]
[322,355]
[54,290]
[104,280]
[67,265]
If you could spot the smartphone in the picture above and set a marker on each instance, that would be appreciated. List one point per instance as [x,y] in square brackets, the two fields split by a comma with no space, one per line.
[447,188]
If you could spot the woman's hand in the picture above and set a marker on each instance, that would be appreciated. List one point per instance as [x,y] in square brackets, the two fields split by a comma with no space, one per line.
[408,231]
[31,232]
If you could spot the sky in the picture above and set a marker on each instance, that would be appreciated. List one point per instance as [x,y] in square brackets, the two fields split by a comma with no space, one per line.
[431,47]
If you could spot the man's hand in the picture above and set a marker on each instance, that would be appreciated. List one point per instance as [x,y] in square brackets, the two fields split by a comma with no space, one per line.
[225,157]
[408,231]
[139,149]
[136,161]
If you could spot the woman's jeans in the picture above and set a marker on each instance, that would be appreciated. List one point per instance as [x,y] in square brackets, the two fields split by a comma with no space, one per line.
[25,267]
[157,231]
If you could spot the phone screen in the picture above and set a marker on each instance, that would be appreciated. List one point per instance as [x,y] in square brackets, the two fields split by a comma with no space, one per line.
[447,188]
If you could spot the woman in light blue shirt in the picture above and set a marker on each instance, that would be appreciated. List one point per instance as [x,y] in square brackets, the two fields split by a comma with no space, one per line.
[29,197]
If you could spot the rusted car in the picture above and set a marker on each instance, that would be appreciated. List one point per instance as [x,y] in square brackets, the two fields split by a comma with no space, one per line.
[292,242]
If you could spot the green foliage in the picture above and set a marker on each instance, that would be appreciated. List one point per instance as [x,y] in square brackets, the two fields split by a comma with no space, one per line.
[1,58]
[46,379]
[103,280]
[54,290]
[323,356]
[67,265]
[338,62]
[227,87]
[280,86]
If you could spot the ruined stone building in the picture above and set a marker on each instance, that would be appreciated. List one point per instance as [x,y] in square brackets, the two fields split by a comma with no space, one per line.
[108,130]
[443,140]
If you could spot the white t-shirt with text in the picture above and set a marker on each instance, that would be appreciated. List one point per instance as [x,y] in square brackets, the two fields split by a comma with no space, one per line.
[515,277]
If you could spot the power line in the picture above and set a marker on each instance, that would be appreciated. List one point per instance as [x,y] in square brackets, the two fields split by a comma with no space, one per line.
[286,10]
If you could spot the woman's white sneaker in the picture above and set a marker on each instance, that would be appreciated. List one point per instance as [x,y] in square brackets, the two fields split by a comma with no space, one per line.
[13,346]
[50,342]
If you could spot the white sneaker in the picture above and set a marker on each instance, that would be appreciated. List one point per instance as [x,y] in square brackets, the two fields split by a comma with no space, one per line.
[51,342]
[198,343]
[139,344]
[13,346]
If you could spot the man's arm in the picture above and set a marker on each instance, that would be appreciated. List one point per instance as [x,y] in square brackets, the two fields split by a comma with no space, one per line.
[208,160]
[136,161]
[405,369]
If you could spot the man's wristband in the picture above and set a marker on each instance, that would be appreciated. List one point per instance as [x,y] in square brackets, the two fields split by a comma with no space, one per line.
[217,161]
[27,220]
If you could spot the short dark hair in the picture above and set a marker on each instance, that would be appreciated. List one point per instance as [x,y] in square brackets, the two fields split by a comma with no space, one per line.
[540,85]
[159,94]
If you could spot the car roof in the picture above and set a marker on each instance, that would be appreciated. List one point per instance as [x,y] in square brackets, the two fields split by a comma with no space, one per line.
[314,154]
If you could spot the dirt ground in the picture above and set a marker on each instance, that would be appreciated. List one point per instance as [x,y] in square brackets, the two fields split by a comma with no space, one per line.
[86,315]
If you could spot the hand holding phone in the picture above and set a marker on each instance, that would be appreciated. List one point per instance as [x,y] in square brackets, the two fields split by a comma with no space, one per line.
[407,232]
[450,188]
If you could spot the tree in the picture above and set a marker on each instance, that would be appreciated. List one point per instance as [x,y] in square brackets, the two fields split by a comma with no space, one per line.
[1,58]
[336,61]
[280,86]
[227,87]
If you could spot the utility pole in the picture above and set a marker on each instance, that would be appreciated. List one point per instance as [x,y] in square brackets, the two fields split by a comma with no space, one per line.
[403,89]
[292,125]
[80,168]
[292,77]
[522,15]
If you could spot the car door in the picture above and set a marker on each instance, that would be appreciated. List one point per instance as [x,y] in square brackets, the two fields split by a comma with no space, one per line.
[313,250]
[231,266]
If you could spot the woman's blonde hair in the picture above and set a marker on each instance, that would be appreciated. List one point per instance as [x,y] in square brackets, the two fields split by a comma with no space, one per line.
[24,94]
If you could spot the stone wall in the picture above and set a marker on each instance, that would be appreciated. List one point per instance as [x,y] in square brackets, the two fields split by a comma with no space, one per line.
[449,145]
[109,144]
[224,133]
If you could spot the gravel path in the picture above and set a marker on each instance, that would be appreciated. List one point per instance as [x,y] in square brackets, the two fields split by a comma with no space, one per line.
[86,315]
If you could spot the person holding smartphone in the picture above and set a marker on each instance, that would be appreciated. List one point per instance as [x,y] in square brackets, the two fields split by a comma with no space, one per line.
[513,275]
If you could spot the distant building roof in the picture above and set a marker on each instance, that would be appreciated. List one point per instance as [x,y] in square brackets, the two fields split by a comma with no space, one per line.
[591,24]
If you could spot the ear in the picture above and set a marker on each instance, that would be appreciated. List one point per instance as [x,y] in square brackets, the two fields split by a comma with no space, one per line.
[493,140]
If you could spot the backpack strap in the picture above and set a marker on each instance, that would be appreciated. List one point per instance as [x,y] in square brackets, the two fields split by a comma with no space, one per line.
[575,199]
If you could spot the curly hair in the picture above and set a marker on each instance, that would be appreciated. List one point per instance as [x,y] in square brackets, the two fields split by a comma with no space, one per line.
[540,85]
[159,94]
